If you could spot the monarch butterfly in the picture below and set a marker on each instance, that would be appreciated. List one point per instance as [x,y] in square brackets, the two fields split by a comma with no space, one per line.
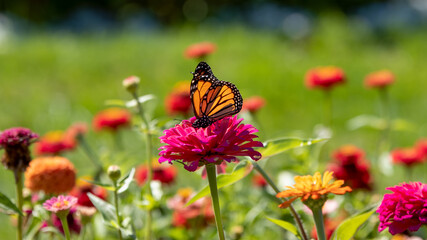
[212,99]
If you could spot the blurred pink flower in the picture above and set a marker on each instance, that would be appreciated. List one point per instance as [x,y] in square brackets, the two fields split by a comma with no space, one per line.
[253,104]
[407,156]
[404,209]
[16,142]
[60,203]
[223,140]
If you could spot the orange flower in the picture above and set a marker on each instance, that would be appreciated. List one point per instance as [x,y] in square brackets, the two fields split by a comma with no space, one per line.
[379,79]
[178,101]
[324,77]
[314,187]
[51,175]
[54,142]
[199,50]
[111,119]
[253,104]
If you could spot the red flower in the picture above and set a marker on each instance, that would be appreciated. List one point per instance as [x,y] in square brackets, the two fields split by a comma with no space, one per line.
[407,156]
[186,216]
[161,172]
[324,77]
[223,140]
[253,104]
[55,142]
[351,166]
[259,181]
[405,209]
[199,50]
[75,130]
[379,79]
[81,190]
[112,119]
[178,101]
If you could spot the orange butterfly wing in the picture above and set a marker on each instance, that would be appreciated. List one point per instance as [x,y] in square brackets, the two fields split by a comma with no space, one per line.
[212,99]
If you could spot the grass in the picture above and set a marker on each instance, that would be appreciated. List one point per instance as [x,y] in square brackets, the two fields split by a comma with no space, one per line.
[49,80]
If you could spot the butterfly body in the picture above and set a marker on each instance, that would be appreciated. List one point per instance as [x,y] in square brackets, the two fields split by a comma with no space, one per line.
[212,99]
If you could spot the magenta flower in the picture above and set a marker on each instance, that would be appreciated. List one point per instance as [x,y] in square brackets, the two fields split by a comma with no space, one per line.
[60,203]
[16,141]
[223,140]
[404,209]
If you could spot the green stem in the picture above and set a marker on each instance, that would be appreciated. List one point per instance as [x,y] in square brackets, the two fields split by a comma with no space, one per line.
[327,108]
[118,140]
[385,114]
[211,171]
[91,155]
[318,221]
[294,213]
[116,204]
[65,226]
[20,201]
[149,147]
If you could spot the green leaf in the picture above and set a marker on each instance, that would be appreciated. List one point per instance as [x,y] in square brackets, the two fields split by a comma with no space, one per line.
[125,181]
[104,185]
[142,99]
[223,180]
[274,147]
[107,210]
[8,205]
[286,225]
[349,227]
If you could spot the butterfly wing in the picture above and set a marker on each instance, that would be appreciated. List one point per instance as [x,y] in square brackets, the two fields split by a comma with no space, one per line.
[212,99]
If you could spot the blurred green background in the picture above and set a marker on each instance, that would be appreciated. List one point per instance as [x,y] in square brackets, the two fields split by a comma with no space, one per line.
[50,79]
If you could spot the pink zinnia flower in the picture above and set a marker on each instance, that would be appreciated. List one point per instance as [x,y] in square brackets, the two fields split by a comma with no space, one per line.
[60,203]
[404,209]
[223,140]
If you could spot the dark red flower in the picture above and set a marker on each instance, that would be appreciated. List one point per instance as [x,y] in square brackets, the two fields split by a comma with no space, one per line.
[259,181]
[407,156]
[16,142]
[163,173]
[112,119]
[379,79]
[178,101]
[324,77]
[225,139]
[199,50]
[351,166]
[55,142]
[81,190]
[253,104]
[198,214]
[405,209]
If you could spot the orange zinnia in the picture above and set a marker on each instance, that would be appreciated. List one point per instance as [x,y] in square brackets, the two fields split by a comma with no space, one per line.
[314,187]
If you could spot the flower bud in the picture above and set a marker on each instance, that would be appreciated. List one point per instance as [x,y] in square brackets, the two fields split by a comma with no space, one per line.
[131,83]
[114,172]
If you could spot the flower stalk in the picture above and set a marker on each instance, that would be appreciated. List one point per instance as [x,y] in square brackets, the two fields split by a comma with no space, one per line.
[318,221]
[20,200]
[116,205]
[327,108]
[64,223]
[211,171]
[294,213]
[149,147]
